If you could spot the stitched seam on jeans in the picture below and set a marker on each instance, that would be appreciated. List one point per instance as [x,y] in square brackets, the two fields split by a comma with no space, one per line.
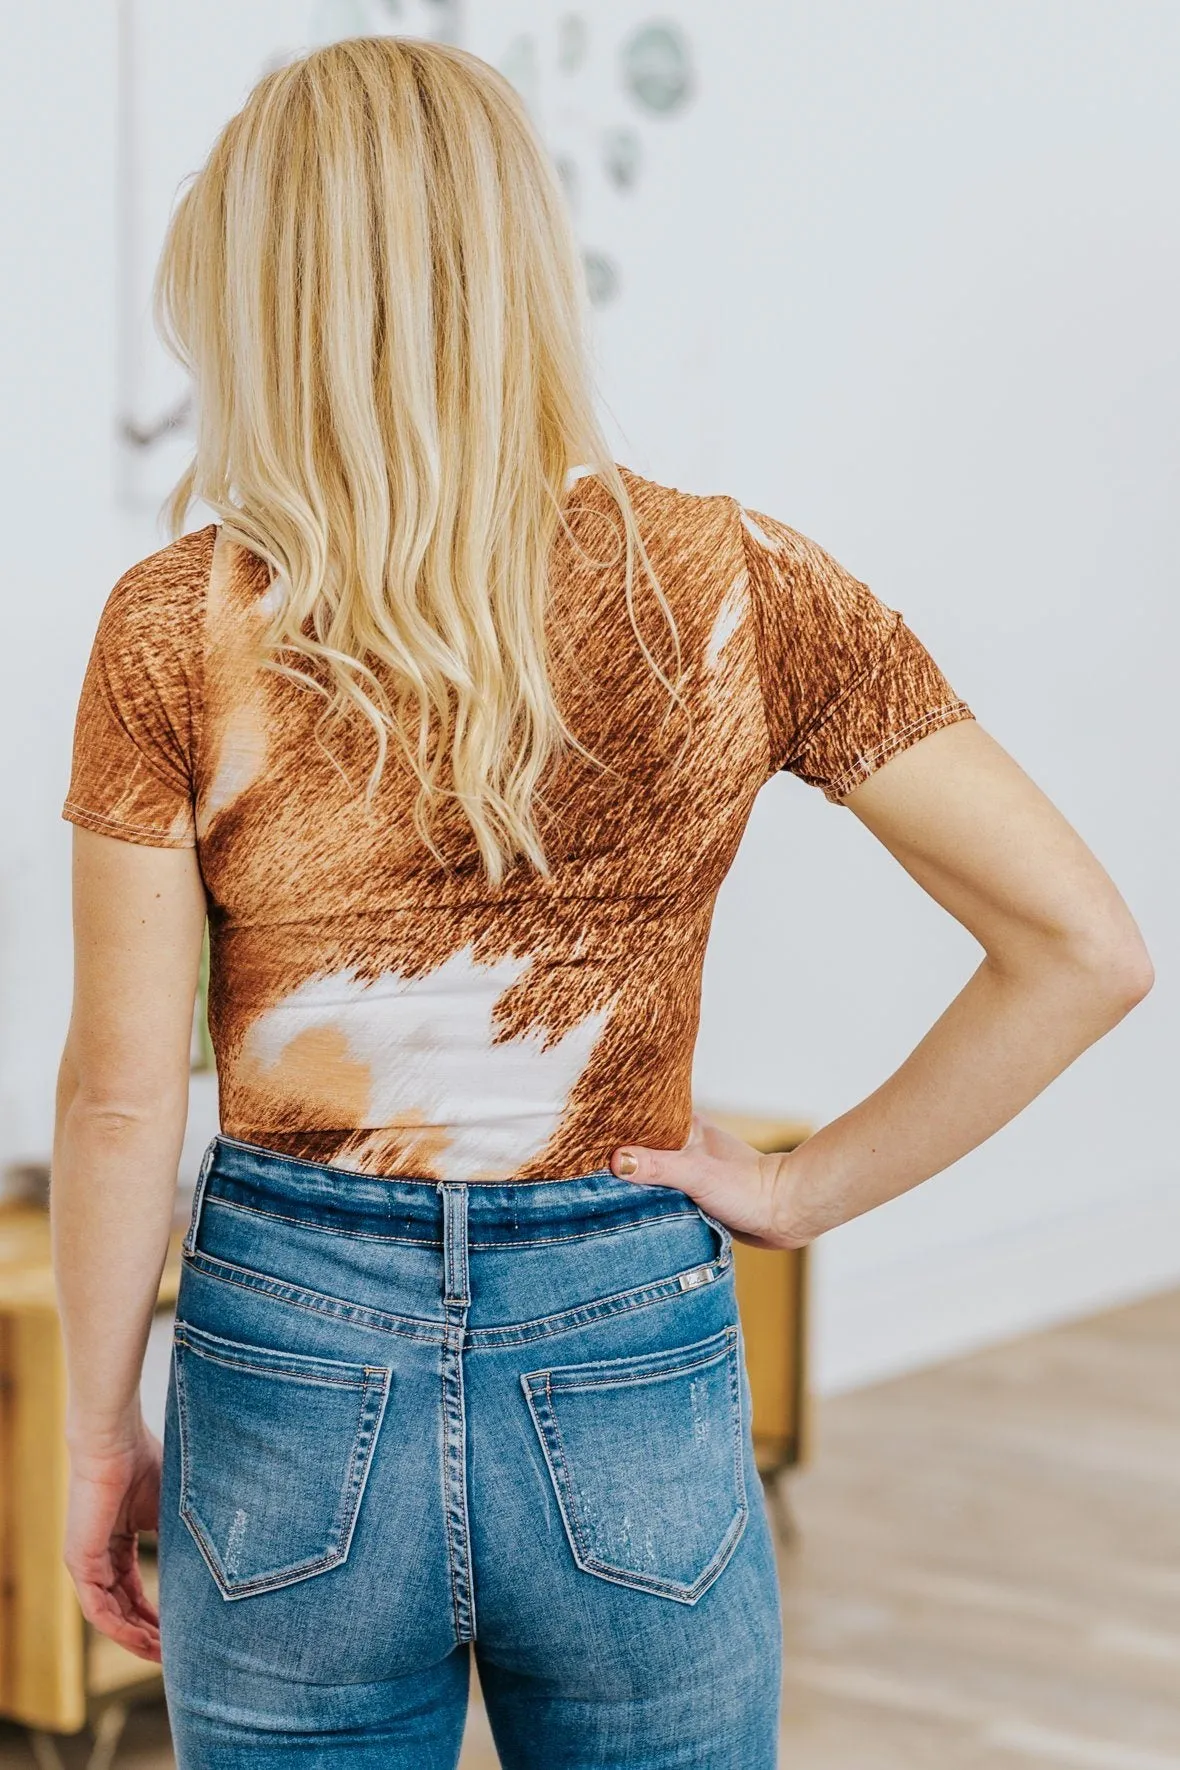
[283,1576]
[735,1385]
[322,1168]
[359,1462]
[629,1382]
[566,1475]
[189,1242]
[287,1290]
[290,1576]
[540,1419]
[363,1444]
[414,1241]
[657,1584]
[620,1303]
[233,1204]
[315,1302]
[276,1576]
[714,1345]
[193,1523]
[428,1333]
[654,1582]
[546,1241]
[451,1555]
[267,1370]
[670,1286]
[649,1583]
[182,1424]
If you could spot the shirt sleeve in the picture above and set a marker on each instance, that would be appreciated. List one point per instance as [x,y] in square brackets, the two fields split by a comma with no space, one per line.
[845,683]
[139,711]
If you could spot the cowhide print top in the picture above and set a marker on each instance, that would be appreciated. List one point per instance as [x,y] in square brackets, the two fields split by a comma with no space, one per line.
[373,1009]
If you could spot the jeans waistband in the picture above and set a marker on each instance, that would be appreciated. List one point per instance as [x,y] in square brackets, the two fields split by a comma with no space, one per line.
[338,1198]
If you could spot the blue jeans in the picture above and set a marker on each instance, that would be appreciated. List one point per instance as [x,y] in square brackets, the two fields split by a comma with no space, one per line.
[406,1421]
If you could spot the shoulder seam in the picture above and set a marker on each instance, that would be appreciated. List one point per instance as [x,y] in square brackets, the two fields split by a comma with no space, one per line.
[808,731]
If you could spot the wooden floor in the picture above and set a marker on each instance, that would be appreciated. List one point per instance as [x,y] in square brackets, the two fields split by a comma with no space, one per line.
[987,1574]
[989,1567]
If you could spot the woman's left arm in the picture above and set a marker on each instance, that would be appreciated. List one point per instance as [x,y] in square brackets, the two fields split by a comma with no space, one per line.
[122,1100]
[1063,962]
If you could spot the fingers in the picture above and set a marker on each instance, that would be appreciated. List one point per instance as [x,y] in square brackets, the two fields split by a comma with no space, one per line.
[111,1500]
[126,1583]
[111,1594]
[106,1609]
[654,1167]
[138,1606]
[662,1167]
[724,1177]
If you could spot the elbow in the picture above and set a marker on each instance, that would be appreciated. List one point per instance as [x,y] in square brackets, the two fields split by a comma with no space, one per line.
[104,1114]
[113,1098]
[1090,974]
[114,1117]
[97,1128]
[1118,969]
[1134,975]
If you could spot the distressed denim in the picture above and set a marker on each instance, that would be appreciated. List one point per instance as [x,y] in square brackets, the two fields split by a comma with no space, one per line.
[407,1422]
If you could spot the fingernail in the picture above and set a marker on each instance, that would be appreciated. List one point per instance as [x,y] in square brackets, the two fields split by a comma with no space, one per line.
[626,1164]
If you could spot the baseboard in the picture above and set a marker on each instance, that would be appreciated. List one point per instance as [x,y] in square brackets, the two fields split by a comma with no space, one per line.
[874,1325]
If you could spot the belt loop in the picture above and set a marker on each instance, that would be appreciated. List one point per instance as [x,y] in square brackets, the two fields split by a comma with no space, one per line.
[456,1276]
[724,1238]
[189,1244]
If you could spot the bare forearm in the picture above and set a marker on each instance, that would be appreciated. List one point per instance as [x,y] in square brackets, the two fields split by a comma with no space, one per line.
[111,1204]
[999,1044]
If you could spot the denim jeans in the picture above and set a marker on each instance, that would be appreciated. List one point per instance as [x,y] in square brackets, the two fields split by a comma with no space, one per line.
[409,1421]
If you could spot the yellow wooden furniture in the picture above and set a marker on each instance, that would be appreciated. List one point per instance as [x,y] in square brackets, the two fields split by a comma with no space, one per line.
[772,1289]
[56,1672]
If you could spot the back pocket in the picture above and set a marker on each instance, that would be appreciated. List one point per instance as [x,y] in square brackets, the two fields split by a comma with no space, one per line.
[275,1449]
[645,1455]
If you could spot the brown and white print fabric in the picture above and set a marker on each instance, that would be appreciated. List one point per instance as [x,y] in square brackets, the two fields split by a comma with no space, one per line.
[374,1009]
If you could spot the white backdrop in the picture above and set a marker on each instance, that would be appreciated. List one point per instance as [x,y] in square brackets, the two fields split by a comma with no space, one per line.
[905,277]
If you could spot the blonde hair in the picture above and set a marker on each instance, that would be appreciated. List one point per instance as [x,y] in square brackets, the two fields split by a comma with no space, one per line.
[376,288]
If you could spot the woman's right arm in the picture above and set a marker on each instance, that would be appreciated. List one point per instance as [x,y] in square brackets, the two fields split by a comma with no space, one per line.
[1063,963]
[139,913]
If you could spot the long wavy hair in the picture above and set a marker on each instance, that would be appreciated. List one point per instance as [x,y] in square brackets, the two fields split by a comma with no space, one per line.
[374,284]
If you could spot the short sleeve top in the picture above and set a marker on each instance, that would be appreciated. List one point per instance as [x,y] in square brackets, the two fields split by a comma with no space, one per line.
[376,1010]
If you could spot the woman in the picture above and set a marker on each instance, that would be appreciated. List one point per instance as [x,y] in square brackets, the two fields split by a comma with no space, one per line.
[450,725]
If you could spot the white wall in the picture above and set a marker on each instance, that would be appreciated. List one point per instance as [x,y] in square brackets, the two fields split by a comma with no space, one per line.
[956,342]
[906,277]
[62,539]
